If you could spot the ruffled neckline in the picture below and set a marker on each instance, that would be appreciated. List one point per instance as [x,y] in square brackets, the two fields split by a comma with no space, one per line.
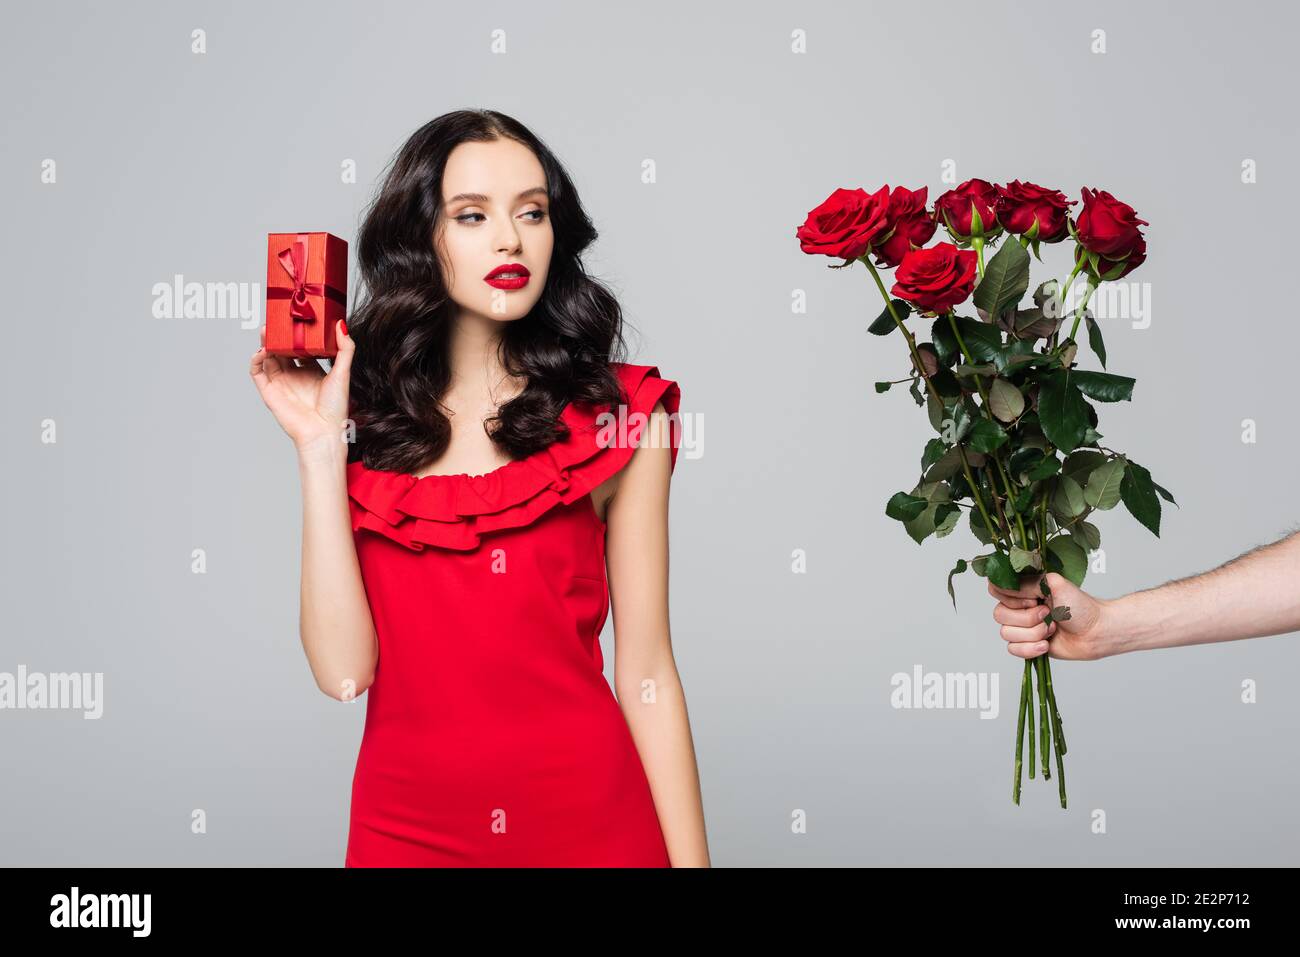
[455,511]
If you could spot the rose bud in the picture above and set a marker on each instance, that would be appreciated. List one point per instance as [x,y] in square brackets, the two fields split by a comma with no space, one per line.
[935,279]
[913,225]
[1107,226]
[1026,209]
[847,224]
[958,209]
[1108,236]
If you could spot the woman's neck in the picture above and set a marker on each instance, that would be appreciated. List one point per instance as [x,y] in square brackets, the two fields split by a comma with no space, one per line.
[478,377]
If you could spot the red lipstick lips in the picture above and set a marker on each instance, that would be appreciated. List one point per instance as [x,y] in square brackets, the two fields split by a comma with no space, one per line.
[509,276]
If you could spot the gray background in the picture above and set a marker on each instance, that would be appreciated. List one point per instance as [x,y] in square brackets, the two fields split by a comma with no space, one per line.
[171,162]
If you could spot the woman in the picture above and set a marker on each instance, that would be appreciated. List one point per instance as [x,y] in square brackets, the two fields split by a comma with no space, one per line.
[506,482]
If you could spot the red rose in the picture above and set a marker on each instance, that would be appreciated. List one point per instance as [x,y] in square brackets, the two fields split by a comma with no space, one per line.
[1106,226]
[913,225]
[935,279]
[1136,257]
[1020,205]
[954,207]
[847,224]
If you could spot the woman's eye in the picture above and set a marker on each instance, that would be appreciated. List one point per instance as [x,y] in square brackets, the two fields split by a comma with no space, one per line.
[469,217]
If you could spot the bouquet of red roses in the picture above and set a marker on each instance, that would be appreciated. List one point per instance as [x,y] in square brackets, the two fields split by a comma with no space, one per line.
[1017,444]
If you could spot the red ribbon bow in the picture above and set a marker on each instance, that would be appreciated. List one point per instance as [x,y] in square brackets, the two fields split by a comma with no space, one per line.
[294,261]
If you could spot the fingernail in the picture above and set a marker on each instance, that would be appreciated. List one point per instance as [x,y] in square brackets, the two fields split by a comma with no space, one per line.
[343,325]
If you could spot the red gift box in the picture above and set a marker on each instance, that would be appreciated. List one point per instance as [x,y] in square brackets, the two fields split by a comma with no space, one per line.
[306,293]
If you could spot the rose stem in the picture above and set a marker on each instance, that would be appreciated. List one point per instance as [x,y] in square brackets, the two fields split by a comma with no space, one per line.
[1060,766]
[1083,304]
[1044,739]
[1028,681]
[1020,733]
[979,387]
[1060,302]
[1058,727]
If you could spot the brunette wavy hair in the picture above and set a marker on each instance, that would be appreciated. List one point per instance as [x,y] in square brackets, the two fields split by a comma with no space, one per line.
[564,346]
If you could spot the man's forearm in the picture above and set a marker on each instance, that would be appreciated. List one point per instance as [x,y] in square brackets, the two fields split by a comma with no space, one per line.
[1253,595]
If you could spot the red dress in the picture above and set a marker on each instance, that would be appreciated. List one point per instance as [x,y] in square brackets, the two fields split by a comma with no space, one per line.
[492,738]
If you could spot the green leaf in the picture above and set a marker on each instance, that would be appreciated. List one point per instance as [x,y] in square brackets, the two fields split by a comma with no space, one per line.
[1058,613]
[1027,317]
[1069,559]
[1044,469]
[1164,494]
[936,412]
[1020,354]
[1021,559]
[978,528]
[934,451]
[1103,488]
[1023,459]
[959,486]
[905,507]
[1087,535]
[1104,386]
[1094,337]
[983,339]
[944,467]
[915,389]
[1067,502]
[957,570]
[986,435]
[1080,464]
[1001,573]
[928,521]
[945,344]
[1046,291]
[1062,412]
[945,518]
[1139,494]
[966,369]
[1006,277]
[958,424]
[883,386]
[884,323]
[1005,400]
[945,383]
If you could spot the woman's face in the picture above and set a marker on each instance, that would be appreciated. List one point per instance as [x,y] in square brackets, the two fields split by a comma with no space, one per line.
[496,213]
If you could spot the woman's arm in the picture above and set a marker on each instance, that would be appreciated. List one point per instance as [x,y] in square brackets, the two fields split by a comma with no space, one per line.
[335,625]
[646,682]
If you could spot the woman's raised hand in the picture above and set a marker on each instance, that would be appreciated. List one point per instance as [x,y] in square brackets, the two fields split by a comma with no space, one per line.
[310,404]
